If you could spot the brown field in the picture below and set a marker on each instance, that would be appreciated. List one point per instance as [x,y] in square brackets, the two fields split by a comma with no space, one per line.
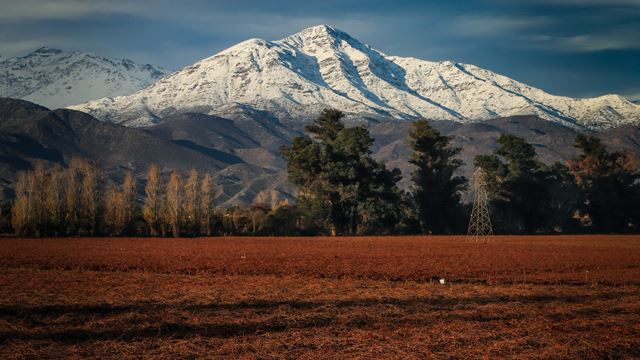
[515,297]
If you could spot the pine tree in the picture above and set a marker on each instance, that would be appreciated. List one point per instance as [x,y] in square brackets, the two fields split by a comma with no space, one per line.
[436,187]
[610,186]
[526,196]
[338,180]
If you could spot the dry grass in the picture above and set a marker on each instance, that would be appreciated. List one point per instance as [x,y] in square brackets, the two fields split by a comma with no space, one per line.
[518,297]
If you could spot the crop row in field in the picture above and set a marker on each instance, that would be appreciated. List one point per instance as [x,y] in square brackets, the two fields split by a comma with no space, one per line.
[611,260]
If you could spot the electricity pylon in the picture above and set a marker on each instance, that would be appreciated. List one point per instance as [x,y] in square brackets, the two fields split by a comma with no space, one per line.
[480,222]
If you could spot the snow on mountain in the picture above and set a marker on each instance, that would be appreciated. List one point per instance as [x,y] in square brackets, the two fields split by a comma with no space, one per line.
[323,67]
[56,78]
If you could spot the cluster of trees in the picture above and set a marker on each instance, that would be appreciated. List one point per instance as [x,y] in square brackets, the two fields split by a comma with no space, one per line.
[599,191]
[58,201]
[179,207]
[343,190]
[75,200]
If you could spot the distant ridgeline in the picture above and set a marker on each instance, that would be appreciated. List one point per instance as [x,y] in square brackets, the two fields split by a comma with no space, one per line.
[343,190]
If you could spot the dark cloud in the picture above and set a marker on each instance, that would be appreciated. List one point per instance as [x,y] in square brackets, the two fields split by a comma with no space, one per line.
[570,47]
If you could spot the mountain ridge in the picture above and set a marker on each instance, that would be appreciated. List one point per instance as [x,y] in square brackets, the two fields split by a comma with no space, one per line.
[56,78]
[297,76]
[242,151]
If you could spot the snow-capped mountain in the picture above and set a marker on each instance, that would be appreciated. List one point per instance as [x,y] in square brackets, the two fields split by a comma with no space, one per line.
[56,78]
[324,67]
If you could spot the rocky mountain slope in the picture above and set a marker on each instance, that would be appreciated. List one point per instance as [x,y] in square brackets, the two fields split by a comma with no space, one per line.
[243,151]
[56,78]
[293,78]
[29,133]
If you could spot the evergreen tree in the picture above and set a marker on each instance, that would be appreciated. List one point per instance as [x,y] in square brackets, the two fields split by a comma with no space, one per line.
[610,186]
[436,190]
[526,195]
[339,182]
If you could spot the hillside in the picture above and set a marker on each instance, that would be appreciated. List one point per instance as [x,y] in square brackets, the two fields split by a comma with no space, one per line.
[243,151]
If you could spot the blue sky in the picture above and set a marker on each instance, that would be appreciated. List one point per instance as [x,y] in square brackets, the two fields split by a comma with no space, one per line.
[567,47]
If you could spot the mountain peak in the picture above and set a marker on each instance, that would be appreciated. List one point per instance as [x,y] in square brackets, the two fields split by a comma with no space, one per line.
[324,30]
[320,66]
[319,35]
[44,50]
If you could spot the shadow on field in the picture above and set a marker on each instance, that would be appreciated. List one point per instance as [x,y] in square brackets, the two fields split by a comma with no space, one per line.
[48,322]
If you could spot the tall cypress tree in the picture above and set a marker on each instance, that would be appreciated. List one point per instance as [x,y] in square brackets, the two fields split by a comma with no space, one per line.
[436,187]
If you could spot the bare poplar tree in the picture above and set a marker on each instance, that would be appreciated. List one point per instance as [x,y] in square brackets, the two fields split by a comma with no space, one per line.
[72,196]
[36,183]
[261,198]
[129,198]
[206,205]
[20,208]
[153,205]
[113,211]
[191,203]
[174,203]
[257,214]
[54,199]
[90,197]
[274,200]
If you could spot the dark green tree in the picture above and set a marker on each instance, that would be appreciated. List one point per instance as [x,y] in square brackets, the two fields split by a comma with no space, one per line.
[526,195]
[437,188]
[339,182]
[610,186]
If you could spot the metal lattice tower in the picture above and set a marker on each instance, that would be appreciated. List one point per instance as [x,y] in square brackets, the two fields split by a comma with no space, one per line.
[480,222]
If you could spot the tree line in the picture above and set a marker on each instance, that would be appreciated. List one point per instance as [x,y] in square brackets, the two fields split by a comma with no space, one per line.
[343,190]
[76,200]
